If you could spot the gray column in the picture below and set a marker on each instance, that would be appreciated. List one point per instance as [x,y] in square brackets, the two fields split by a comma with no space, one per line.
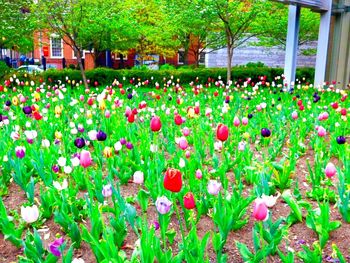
[322,46]
[292,44]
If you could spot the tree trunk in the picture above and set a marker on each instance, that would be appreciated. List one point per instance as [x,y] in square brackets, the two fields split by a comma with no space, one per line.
[121,63]
[229,62]
[82,70]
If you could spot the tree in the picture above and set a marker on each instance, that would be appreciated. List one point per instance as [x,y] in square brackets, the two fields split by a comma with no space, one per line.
[16,25]
[274,30]
[192,23]
[81,24]
[238,22]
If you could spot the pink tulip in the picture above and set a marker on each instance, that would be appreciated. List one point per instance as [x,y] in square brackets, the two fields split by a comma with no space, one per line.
[188,154]
[107,114]
[258,107]
[244,121]
[330,170]
[260,210]
[199,174]
[236,122]
[85,158]
[186,131]
[183,144]
[295,115]
[321,131]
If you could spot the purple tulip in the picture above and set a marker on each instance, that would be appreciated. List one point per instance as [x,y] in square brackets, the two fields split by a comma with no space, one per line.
[107,190]
[163,205]
[122,141]
[129,145]
[156,225]
[129,96]
[101,136]
[55,168]
[79,142]
[20,152]
[265,132]
[27,110]
[341,140]
[55,247]
[8,103]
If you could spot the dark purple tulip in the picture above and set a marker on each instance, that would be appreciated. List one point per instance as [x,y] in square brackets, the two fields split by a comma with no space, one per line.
[79,142]
[101,136]
[122,141]
[341,140]
[27,110]
[129,145]
[129,96]
[57,142]
[227,101]
[55,168]
[250,116]
[55,247]
[8,103]
[156,225]
[265,132]
[0,117]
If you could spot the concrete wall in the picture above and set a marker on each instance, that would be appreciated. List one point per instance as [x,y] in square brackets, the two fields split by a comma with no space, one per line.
[273,57]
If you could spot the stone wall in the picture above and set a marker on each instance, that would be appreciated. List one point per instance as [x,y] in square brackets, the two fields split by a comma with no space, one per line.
[270,56]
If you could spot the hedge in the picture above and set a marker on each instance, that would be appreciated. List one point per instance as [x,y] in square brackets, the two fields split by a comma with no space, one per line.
[107,76]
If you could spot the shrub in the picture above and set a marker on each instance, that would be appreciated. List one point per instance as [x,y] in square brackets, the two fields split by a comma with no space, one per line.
[4,69]
[200,76]
[167,67]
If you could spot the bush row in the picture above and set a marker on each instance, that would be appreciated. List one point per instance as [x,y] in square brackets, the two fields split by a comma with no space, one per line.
[107,76]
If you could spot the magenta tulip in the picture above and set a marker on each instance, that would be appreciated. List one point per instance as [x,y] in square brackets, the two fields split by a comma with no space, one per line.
[85,159]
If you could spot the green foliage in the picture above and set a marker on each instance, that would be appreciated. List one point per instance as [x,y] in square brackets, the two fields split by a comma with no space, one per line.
[319,221]
[4,69]
[167,67]
[107,76]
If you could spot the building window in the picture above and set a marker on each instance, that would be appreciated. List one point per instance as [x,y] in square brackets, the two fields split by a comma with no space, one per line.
[202,58]
[116,56]
[181,57]
[83,54]
[56,47]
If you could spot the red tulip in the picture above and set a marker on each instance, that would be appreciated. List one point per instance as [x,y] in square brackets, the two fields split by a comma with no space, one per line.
[37,115]
[343,111]
[178,119]
[173,180]
[131,118]
[222,132]
[260,211]
[189,202]
[156,124]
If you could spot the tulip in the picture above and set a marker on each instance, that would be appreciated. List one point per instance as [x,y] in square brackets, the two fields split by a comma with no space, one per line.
[222,132]
[107,190]
[163,205]
[79,142]
[30,214]
[199,174]
[156,124]
[265,132]
[341,140]
[236,122]
[244,121]
[20,151]
[85,159]
[178,119]
[241,146]
[187,154]
[186,131]
[107,152]
[131,118]
[107,114]
[295,115]
[189,202]
[129,145]
[138,177]
[27,110]
[214,187]
[260,210]
[101,136]
[321,131]
[55,247]
[173,180]
[330,170]
[183,144]
[92,135]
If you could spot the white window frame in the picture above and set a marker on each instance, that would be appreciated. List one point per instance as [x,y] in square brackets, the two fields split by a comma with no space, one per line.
[178,56]
[51,53]
[74,57]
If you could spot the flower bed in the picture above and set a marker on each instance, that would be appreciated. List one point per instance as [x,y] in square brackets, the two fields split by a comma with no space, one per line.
[166,172]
